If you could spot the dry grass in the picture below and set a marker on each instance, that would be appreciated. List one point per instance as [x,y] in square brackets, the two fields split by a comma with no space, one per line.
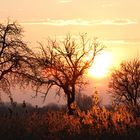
[96,123]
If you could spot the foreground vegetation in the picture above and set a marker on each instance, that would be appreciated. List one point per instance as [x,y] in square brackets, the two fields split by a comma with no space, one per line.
[96,123]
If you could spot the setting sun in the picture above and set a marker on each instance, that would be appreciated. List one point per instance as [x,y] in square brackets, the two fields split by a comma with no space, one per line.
[101,66]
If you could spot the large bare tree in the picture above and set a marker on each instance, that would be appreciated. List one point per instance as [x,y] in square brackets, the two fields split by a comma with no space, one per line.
[63,64]
[125,83]
[13,52]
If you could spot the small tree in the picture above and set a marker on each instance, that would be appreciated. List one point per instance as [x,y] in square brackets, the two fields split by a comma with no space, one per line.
[63,64]
[84,101]
[125,83]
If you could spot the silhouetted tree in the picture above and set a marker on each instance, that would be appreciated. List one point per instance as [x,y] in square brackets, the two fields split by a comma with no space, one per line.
[125,83]
[13,52]
[63,64]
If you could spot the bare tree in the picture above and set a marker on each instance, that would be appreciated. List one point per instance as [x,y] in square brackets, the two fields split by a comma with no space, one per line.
[63,64]
[125,83]
[13,50]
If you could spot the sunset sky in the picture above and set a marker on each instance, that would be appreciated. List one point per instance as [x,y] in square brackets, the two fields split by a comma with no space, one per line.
[115,22]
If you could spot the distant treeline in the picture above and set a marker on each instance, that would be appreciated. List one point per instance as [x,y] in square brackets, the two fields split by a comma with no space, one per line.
[26,108]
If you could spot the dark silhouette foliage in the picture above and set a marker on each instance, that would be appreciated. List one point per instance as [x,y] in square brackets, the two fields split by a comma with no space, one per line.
[125,84]
[13,54]
[84,102]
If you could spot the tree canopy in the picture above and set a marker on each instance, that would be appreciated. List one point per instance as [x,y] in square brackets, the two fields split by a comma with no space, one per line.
[125,83]
[13,50]
[63,64]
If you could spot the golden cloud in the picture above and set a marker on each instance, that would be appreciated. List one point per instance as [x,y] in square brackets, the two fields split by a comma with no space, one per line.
[82,22]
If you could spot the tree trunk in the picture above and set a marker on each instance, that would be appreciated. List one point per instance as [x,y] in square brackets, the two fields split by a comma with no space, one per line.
[70,100]
[136,107]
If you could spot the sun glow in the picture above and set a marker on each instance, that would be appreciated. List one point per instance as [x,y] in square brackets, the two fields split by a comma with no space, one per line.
[101,66]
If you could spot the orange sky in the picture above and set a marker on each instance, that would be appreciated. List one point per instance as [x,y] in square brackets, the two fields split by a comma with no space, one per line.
[115,22]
